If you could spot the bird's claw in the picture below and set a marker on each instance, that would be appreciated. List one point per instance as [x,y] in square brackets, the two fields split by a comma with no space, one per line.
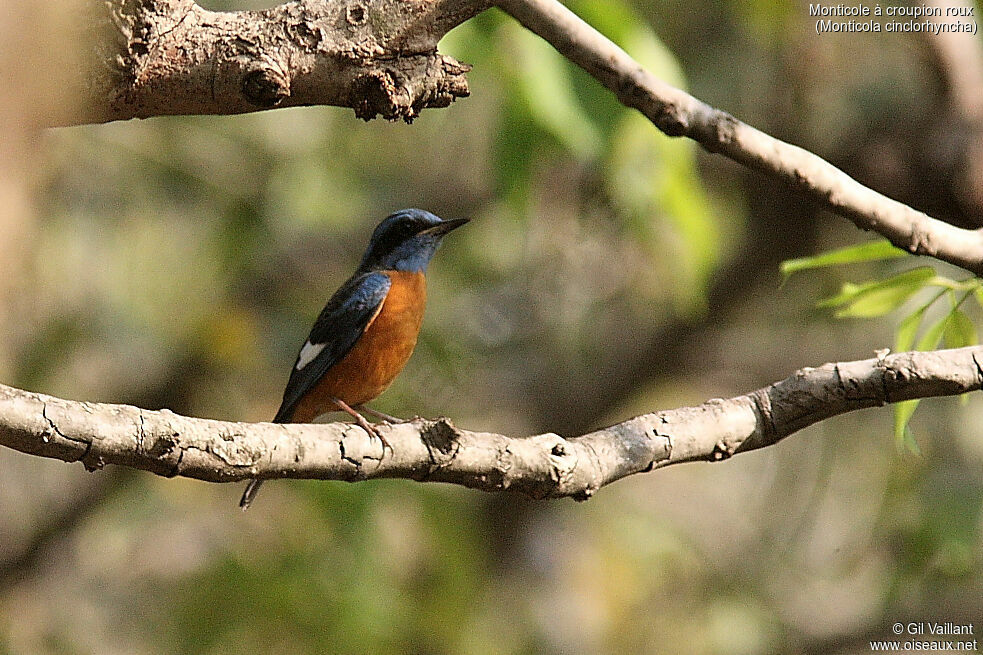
[362,423]
[373,431]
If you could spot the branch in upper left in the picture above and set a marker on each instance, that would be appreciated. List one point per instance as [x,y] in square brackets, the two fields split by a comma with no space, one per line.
[165,57]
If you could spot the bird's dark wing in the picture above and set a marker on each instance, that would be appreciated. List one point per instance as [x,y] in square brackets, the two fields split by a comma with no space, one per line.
[340,324]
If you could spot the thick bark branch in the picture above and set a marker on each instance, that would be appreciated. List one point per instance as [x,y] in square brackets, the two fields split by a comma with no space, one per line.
[677,113]
[545,465]
[160,57]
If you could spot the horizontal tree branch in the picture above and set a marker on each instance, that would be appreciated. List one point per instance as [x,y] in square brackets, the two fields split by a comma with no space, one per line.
[677,113]
[165,57]
[545,465]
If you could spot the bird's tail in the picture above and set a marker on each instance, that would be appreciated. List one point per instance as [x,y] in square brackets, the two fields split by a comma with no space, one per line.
[283,415]
[249,494]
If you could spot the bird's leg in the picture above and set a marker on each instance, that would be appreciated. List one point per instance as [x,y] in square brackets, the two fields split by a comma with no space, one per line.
[362,423]
[382,416]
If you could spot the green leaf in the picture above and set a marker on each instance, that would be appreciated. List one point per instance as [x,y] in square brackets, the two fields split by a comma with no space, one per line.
[864,252]
[878,302]
[933,335]
[903,435]
[878,297]
[978,292]
[851,291]
[902,414]
[904,338]
[959,331]
[956,328]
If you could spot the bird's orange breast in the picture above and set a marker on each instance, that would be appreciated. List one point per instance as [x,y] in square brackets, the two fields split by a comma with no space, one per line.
[379,354]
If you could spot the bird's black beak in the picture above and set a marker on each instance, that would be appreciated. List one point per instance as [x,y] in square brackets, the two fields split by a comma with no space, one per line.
[446,226]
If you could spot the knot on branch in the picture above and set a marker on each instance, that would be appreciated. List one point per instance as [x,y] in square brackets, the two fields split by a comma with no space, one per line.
[265,87]
[409,86]
[563,462]
[441,439]
[375,93]
[356,14]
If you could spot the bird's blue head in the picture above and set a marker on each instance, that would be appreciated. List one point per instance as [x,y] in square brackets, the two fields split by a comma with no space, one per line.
[406,240]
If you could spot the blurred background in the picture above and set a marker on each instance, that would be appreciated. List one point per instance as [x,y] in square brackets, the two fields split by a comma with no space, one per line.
[607,271]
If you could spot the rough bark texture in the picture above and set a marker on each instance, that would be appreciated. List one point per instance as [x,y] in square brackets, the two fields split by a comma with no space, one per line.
[160,57]
[545,465]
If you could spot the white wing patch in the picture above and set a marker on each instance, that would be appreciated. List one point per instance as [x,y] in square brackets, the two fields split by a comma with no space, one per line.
[308,353]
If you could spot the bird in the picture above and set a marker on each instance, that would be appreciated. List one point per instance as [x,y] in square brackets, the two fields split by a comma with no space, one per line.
[366,333]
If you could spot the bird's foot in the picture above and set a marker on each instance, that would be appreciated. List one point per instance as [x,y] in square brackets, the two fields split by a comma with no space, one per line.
[373,431]
[364,424]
